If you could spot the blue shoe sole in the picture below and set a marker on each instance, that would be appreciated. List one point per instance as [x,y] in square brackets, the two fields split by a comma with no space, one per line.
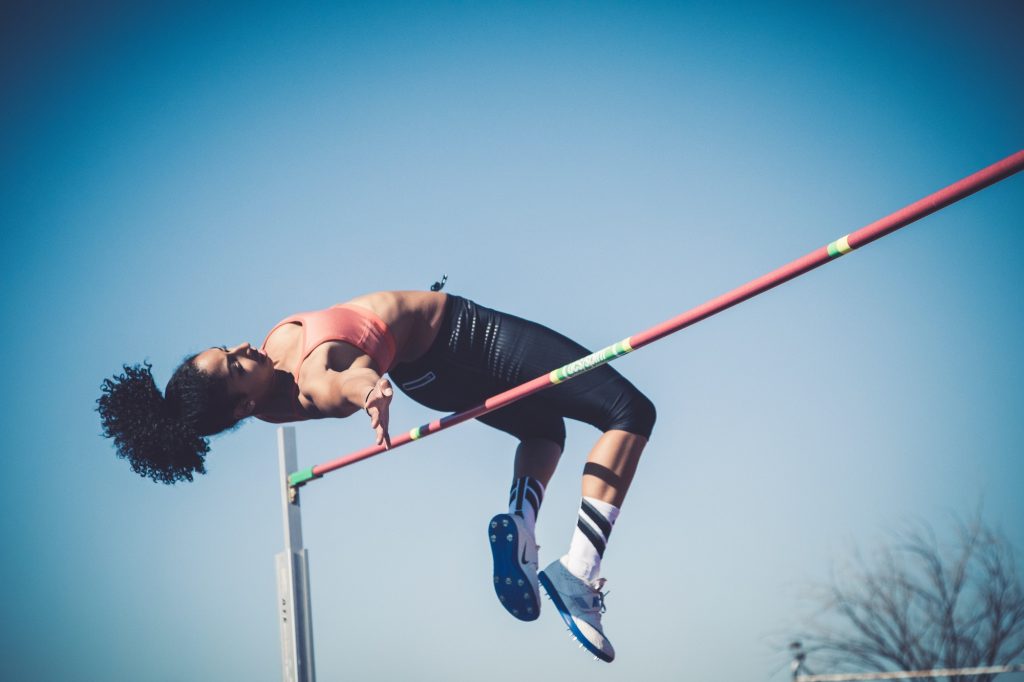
[511,584]
[563,611]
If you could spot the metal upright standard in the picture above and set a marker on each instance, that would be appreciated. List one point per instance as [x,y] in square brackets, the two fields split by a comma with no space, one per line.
[293,603]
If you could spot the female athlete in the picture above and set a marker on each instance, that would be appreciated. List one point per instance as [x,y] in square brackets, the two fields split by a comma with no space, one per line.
[444,352]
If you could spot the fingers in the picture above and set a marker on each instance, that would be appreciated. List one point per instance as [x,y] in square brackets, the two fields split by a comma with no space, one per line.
[381,391]
[383,438]
[377,407]
[384,388]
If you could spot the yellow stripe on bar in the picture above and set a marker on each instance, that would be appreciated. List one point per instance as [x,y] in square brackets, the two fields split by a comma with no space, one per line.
[415,433]
[840,247]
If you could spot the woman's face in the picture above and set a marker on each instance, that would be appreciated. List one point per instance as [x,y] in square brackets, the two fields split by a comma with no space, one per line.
[249,373]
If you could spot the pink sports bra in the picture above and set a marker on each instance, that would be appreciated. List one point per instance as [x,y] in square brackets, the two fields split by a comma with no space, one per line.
[348,323]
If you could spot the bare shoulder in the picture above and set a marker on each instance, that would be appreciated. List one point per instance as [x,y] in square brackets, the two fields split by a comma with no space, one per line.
[385,300]
[395,306]
[283,339]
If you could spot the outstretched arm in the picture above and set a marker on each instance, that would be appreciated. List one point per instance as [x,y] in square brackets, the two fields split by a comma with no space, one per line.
[342,394]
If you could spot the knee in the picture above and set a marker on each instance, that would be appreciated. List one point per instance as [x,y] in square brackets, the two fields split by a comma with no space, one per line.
[639,416]
[647,414]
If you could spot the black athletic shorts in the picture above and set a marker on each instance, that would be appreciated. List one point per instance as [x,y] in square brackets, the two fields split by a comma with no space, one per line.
[481,352]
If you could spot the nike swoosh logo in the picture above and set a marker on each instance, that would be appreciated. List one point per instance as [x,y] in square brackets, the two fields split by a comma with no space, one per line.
[524,559]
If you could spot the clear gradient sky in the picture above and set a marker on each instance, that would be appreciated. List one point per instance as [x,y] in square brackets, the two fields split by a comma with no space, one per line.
[176,177]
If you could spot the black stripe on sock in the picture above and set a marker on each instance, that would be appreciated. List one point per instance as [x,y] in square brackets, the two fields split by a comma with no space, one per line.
[512,491]
[532,499]
[520,491]
[599,520]
[597,542]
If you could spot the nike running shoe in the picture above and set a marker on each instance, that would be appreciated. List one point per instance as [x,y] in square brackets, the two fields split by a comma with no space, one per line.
[515,566]
[580,604]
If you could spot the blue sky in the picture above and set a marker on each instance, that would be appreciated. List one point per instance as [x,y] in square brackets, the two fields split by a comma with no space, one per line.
[173,178]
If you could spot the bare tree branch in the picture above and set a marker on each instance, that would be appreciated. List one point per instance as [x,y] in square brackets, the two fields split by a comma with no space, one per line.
[919,604]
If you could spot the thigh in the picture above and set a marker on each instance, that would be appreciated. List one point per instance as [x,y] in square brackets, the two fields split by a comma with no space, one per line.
[525,420]
[604,399]
[481,352]
[456,386]
[601,397]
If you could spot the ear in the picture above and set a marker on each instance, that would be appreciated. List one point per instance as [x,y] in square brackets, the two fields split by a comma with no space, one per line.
[245,409]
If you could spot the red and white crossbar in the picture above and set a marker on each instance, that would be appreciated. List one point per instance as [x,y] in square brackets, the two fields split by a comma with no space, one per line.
[876,230]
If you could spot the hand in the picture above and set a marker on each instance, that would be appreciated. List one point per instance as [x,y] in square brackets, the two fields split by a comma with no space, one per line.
[377,405]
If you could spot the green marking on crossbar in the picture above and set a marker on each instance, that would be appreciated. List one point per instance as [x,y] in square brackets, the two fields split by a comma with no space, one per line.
[593,360]
[301,476]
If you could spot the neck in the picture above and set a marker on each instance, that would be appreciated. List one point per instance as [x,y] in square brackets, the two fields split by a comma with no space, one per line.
[280,399]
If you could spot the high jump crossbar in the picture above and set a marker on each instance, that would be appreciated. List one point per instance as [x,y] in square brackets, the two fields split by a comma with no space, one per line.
[876,230]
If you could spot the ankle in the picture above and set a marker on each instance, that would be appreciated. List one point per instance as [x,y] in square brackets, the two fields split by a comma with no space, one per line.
[524,500]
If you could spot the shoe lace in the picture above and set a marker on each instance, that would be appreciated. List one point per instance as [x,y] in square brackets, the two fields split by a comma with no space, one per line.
[599,595]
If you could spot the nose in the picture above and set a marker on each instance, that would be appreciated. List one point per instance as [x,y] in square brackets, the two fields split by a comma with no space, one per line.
[240,348]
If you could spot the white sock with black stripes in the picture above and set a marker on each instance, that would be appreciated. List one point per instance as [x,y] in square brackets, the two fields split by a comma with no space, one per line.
[524,499]
[593,526]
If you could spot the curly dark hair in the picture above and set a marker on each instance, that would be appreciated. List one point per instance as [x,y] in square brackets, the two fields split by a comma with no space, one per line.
[162,437]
